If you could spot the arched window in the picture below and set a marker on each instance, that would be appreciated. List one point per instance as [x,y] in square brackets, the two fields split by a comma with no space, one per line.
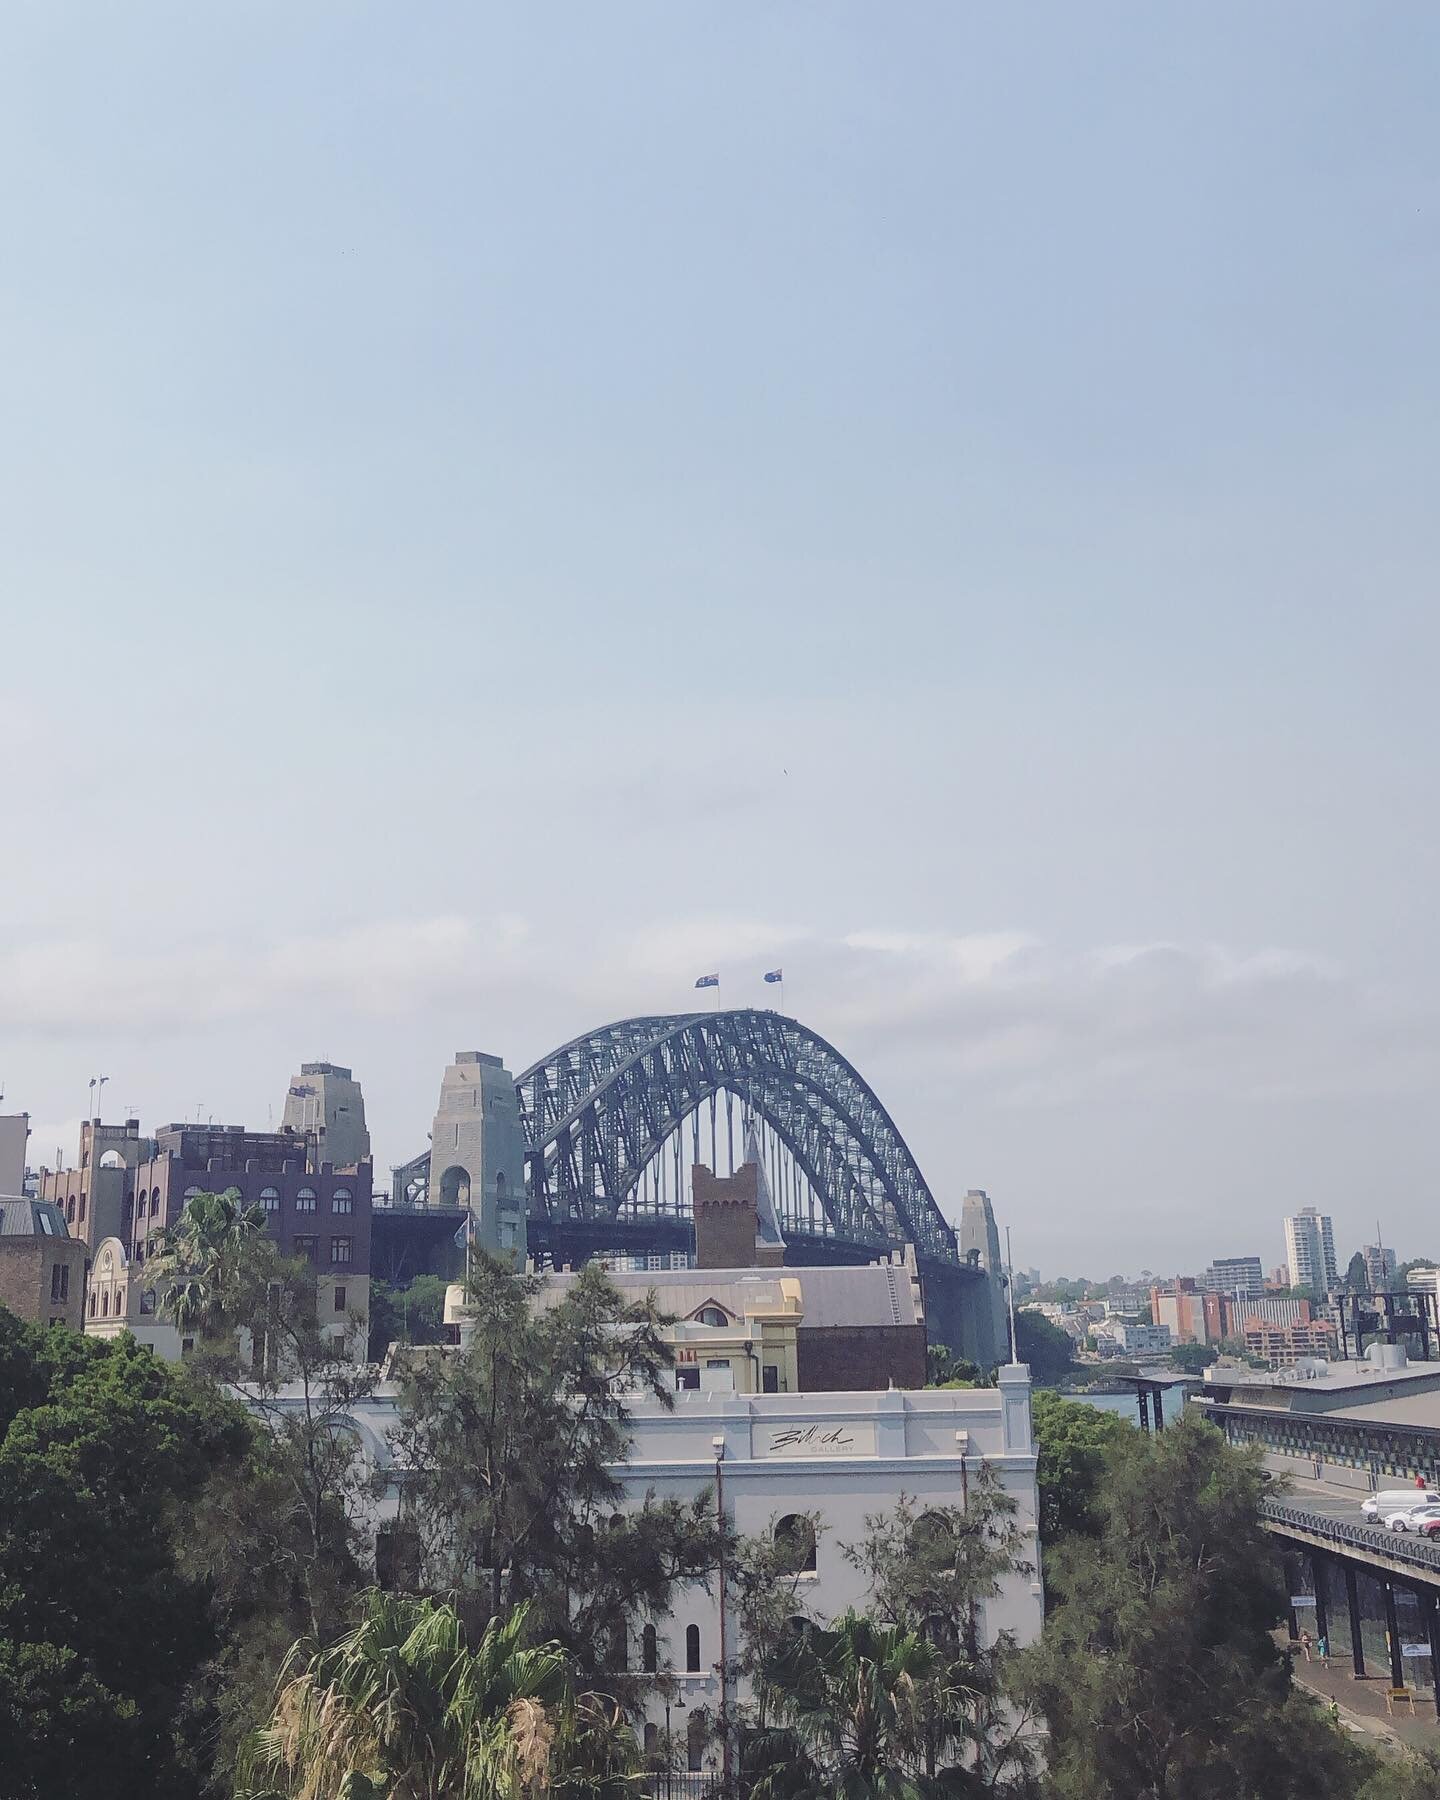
[191,1192]
[500,1189]
[713,1315]
[692,1650]
[652,1738]
[127,1212]
[105,1304]
[92,1303]
[342,1200]
[112,1159]
[650,1650]
[270,1199]
[795,1539]
[154,1201]
[70,1210]
[305,1199]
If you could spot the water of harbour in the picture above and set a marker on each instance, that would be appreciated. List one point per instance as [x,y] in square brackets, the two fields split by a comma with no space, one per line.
[1124,1404]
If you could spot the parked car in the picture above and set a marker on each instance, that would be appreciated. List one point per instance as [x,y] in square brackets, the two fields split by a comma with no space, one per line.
[1412,1517]
[1375,1506]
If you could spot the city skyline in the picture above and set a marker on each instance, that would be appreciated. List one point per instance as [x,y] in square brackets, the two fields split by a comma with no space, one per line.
[594,506]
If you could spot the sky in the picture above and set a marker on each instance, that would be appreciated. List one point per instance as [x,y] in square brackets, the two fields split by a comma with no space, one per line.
[504,510]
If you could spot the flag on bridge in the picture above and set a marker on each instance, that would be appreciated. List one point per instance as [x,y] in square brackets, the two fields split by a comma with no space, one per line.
[708,981]
[775,975]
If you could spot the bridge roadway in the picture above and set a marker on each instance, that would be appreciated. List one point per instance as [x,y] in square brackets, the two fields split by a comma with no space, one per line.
[1384,1584]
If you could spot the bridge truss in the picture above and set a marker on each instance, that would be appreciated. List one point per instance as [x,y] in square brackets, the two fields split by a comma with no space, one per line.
[614,1118]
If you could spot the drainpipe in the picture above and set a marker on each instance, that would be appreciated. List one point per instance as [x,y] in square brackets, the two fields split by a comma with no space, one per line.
[717,1444]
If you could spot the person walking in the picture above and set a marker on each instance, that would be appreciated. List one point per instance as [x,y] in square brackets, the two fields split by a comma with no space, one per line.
[1322,1648]
[1305,1644]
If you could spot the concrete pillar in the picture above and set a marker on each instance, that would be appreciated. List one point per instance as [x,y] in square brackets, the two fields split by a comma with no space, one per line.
[1392,1632]
[1352,1607]
[477,1152]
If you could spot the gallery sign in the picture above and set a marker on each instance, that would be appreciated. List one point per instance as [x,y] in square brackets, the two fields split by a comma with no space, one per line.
[816,1440]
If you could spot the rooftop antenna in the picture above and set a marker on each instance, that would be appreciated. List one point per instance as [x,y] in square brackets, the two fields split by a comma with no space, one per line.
[1010,1296]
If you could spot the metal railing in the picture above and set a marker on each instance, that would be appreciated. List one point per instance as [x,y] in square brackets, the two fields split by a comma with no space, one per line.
[1399,1546]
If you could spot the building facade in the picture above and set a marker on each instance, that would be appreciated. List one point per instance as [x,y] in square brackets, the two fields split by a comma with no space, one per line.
[1310,1250]
[1380,1265]
[1236,1277]
[42,1268]
[14,1137]
[766,1460]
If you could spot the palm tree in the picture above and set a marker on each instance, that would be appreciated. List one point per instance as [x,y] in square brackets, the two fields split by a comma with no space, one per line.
[202,1257]
[846,1699]
[403,1709]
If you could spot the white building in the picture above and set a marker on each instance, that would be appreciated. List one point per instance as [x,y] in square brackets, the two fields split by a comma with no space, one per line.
[1135,1340]
[1237,1277]
[1310,1250]
[769,1456]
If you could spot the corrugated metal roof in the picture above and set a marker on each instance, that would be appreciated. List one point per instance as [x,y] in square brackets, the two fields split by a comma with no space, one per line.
[20,1217]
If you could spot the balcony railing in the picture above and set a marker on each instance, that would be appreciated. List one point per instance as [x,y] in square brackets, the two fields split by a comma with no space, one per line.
[1353,1534]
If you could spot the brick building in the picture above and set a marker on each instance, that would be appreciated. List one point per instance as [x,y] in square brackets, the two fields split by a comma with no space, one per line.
[130,1188]
[42,1268]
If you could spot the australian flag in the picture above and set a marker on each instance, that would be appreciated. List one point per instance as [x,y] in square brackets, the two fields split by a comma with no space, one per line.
[774,974]
[708,981]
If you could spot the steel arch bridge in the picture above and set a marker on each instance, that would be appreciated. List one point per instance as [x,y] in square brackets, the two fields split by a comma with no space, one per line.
[603,1112]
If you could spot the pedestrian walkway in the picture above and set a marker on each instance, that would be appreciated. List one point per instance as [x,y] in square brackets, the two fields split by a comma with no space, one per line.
[1362,1703]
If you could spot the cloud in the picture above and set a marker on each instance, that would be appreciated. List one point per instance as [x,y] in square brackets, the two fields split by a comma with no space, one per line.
[999,1016]
[83,985]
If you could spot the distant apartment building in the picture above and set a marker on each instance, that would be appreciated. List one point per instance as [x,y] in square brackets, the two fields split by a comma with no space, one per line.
[1273,1309]
[1234,1276]
[1310,1250]
[1182,1309]
[42,1268]
[1284,1345]
[1129,1300]
[1380,1265]
[1124,1339]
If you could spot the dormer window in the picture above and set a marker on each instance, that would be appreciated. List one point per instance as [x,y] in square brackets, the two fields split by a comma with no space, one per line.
[713,1315]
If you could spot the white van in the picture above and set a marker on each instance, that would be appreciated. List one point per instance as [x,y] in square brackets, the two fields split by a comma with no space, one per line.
[1394,1500]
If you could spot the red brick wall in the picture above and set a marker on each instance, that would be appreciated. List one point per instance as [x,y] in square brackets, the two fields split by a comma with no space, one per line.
[726,1216]
[860,1358]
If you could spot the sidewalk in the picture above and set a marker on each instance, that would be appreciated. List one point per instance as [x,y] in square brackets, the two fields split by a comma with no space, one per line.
[1362,1703]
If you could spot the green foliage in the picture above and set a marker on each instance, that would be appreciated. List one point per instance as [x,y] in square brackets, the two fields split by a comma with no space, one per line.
[1044,1346]
[1064,1292]
[511,1444]
[1158,1676]
[1191,1359]
[410,1314]
[1072,1439]
[944,1369]
[404,1706]
[1357,1280]
[101,1628]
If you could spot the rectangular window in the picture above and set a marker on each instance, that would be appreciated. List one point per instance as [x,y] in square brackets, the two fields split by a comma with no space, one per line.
[59,1283]
[307,1246]
[686,1378]
[340,1299]
[340,1249]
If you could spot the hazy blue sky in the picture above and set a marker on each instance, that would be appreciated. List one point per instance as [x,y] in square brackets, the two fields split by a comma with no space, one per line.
[504,510]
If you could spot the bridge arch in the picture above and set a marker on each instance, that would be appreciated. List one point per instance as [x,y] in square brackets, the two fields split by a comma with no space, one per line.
[599,1111]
